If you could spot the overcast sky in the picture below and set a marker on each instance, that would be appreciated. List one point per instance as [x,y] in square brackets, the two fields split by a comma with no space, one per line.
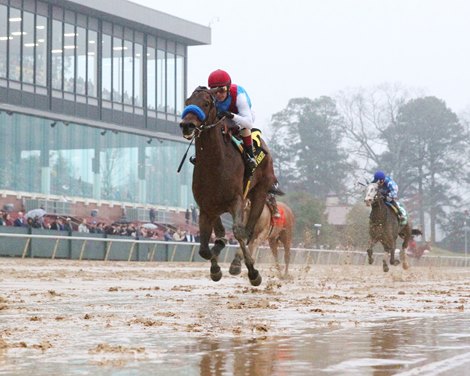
[282,49]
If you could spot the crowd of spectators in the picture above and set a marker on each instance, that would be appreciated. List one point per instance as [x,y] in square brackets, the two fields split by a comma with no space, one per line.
[135,230]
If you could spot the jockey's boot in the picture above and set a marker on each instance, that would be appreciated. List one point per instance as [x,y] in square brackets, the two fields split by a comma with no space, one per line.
[192,159]
[400,216]
[249,157]
[272,205]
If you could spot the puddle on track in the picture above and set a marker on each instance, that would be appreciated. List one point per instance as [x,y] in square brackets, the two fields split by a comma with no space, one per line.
[95,318]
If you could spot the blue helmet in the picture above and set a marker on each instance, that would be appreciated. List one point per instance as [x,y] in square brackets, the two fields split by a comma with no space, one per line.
[379,175]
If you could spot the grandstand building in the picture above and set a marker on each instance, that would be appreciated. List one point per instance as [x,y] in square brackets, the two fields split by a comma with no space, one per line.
[90,97]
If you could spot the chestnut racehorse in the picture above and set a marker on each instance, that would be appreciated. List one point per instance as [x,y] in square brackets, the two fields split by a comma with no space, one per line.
[219,180]
[274,231]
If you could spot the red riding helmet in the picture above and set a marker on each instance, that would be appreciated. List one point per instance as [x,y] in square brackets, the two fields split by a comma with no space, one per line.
[219,78]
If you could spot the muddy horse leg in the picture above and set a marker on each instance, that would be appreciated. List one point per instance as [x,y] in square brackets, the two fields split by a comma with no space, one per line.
[370,251]
[219,244]
[236,265]
[205,230]
[406,235]
[284,238]
[273,245]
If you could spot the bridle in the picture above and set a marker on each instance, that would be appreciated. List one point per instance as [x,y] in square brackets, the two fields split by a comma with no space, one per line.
[198,130]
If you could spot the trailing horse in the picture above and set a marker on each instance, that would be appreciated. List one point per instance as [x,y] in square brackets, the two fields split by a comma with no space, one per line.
[384,227]
[220,180]
[275,231]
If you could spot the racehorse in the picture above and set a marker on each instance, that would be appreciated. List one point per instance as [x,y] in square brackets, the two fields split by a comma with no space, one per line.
[220,180]
[384,227]
[275,231]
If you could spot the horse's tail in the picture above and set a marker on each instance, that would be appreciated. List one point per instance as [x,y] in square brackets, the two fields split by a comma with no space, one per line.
[276,191]
[415,231]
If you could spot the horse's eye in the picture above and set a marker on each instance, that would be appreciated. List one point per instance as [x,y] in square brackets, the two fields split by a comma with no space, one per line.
[206,104]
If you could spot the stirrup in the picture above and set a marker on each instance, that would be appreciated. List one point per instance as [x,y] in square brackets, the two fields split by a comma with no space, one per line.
[250,162]
[276,215]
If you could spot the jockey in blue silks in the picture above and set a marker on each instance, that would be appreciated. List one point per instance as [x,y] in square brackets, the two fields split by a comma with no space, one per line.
[389,189]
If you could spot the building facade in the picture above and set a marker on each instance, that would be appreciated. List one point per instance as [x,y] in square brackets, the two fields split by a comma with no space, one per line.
[90,97]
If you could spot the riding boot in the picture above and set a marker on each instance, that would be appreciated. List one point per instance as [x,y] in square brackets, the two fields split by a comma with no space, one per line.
[249,157]
[399,213]
[272,204]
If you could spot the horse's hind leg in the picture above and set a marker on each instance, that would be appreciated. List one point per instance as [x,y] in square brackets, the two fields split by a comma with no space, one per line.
[273,246]
[236,265]
[253,274]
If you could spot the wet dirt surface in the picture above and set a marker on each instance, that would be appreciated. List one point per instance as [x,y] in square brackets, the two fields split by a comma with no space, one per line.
[62,317]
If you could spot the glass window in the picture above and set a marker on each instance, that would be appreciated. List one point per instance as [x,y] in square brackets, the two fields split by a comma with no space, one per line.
[128,72]
[57,54]
[106,67]
[138,73]
[180,95]
[41,50]
[117,69]
[92,62]
[3,41]
[161,80]
[28,47]
[171,84]
[69,57]
[14,22]
[151,88]
[81,60]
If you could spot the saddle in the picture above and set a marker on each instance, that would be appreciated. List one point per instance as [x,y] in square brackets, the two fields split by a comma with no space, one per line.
[258,150]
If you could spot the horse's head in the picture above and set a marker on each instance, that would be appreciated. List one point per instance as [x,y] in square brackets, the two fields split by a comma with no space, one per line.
[199,110]
[372,191]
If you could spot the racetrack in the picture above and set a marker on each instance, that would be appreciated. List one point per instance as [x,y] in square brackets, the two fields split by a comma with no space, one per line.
[82,317]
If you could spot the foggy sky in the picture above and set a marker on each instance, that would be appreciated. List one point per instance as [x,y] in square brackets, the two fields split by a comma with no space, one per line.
[280,50]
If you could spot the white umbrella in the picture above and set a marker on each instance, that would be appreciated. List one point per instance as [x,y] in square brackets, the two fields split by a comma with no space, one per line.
[149,226]
[35,213]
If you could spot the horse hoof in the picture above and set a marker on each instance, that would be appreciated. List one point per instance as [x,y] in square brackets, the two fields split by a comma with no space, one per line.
[257,280]
[205,254]
[235,269]
[386,268]
[216,273]
[405,265]
[396,262]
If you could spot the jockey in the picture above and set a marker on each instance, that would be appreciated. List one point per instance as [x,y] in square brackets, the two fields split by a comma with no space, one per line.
[389,189]
[233,102]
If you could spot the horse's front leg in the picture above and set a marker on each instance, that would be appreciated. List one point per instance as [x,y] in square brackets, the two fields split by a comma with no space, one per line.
[205,230]
[370,251]
[403,257]
[285,239]
[219,244]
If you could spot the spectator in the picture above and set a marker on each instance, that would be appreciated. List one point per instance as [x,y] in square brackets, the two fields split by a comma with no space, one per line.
[83,226]
[152,215]
[55,224]
[168,236]
[179,235]
[189,237]
[68,225]
[2,219]
[187,216]
[197,237]
[194,214]
[19,221]
[7,219]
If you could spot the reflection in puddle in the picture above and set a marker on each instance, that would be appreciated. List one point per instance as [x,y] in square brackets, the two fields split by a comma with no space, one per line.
[426,345]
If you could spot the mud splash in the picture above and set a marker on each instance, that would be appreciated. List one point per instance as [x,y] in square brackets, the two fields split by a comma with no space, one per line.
[102,318]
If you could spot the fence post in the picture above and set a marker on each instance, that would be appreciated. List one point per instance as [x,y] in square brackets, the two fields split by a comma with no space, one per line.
[108,250]
[25,249]
[55,249]
[82,249]
[152,254]
[130,251]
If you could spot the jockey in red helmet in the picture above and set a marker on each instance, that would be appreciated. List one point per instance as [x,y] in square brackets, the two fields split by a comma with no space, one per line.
[233,102]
